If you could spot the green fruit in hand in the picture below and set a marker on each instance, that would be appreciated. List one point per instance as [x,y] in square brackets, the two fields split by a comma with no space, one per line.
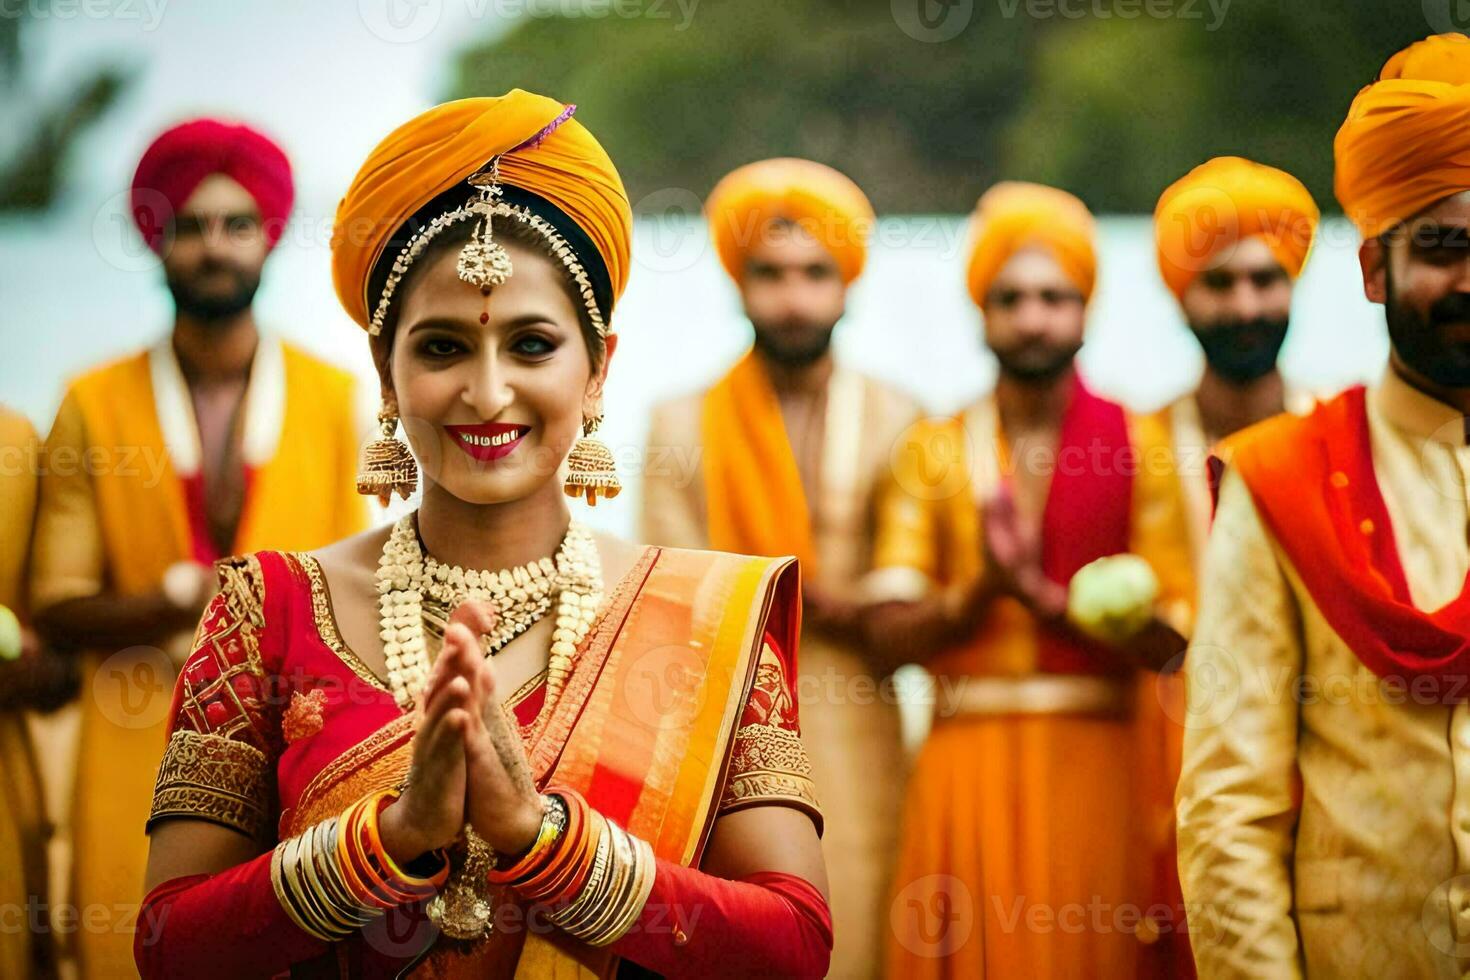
[9,635]
[1112,599]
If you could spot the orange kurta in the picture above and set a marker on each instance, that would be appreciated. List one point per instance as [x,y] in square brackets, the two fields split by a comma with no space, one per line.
[113,517]
[1021,854]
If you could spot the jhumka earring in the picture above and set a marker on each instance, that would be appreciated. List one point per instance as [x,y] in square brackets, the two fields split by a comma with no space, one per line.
[388,466]
[590,468]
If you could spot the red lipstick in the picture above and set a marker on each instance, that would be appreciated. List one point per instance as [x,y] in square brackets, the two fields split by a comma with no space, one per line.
[488,441]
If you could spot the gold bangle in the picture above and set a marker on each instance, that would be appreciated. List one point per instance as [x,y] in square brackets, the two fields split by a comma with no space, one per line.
[625,904]
[568,917]
[646,866]
[299,905]
[619,873]
[313,902]
[345,915]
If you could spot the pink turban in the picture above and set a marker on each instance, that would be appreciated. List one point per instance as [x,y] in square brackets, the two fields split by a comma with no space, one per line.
[183,156]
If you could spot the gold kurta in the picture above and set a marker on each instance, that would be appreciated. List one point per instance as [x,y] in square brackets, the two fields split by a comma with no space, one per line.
[112,516]
[849,724]
[1325,830]
[23,830]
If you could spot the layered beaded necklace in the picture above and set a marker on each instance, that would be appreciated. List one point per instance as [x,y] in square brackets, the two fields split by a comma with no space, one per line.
[414,588]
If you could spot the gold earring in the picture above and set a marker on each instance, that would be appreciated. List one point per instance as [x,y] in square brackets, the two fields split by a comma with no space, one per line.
[590,467]
[387,464]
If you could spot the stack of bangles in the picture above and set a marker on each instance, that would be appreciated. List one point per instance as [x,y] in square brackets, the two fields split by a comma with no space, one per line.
[336,877]
[595,876]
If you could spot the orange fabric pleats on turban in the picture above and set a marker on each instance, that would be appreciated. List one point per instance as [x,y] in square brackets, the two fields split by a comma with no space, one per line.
[544,152]
[1406,141]
[1015,215]
[821,201]
[1227,200]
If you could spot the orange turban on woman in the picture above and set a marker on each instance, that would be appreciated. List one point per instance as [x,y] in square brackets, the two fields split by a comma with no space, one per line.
[1014,215]
[1224,201]
[821,201]
[542,151]
[1406,141]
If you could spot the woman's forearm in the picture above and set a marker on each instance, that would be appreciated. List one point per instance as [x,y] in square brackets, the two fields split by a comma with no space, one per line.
[698,925]
[220,926]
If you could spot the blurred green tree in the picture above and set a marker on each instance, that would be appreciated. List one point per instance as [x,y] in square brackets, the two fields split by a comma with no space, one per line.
[1098,96]
[36,148]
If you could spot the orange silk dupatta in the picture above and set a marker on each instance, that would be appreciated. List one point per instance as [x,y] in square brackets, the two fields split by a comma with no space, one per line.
[643,730]
[753,493]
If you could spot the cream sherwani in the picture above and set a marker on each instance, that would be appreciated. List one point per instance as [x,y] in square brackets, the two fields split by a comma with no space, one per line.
[850,728]
[1324,818]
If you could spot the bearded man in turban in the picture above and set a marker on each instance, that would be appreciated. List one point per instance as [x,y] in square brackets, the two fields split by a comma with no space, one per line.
[1044,532]
[790,446]
[1323,806]
[219,439]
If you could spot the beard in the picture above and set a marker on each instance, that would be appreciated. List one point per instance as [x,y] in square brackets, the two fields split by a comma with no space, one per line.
[214,305]
[793,344]
[1419,338]
[1242,351]
[1035,362]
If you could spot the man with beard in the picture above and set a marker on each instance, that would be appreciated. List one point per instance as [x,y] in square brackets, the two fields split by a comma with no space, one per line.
[1324,809]
[790,445]
[219,440]
[1018,855]
[1232,236]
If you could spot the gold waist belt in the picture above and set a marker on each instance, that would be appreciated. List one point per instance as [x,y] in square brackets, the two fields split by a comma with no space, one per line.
[1037,694]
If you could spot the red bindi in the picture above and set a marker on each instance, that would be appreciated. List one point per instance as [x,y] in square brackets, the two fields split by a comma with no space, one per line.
[484,318]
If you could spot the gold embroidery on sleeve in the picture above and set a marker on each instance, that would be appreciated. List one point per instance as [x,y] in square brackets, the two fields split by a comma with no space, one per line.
[216,778]
[768,763]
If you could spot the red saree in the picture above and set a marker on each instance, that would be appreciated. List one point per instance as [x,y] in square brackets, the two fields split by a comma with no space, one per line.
[677,710]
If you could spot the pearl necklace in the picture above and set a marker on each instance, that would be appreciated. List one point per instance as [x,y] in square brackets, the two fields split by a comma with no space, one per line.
[407,579]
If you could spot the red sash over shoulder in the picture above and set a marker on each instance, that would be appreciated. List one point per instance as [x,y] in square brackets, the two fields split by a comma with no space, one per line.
[1088,513]
[1313,483]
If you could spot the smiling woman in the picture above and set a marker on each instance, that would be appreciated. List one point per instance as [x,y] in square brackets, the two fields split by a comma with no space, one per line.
[352,786]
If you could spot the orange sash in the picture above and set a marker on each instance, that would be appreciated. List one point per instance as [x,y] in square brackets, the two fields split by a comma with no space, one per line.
[1312,480]
[643,730]
[753,492]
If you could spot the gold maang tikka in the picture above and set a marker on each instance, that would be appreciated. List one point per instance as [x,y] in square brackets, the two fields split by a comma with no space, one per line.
[484,262]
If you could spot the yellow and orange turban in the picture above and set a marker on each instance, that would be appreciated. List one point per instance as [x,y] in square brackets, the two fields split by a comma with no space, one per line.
[1406,141]
[542,151]
[1227,200]
[1015,215]
[821,201]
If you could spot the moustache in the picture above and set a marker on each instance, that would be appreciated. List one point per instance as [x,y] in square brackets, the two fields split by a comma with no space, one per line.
[1454,308]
